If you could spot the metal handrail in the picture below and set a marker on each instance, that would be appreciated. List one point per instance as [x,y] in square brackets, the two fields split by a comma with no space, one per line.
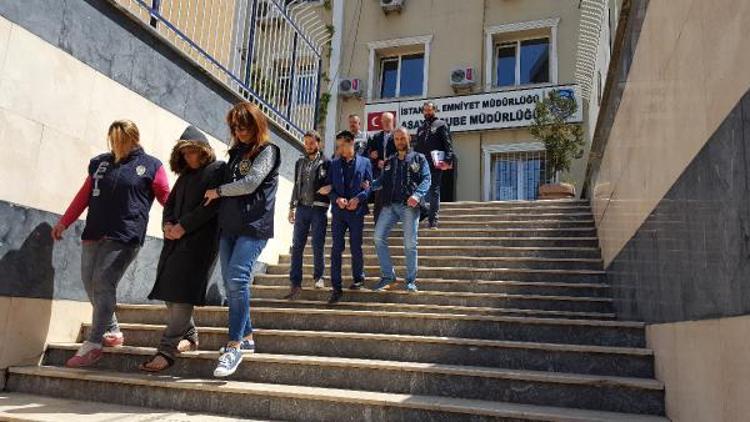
[254,56]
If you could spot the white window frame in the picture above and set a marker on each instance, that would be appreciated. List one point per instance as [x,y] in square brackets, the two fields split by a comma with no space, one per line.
[489,150]
[491,33]
[395,58]
[516,42]
[374,65]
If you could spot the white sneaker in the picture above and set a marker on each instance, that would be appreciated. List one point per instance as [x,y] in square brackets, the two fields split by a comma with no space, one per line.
[319,284]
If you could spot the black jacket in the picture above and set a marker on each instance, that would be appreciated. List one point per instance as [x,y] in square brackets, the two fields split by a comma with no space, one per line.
[375,143]
[185,265]
[434,135]
[320,168]
[252,214]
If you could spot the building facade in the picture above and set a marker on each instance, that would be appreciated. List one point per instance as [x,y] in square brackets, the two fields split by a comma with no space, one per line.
[484,64]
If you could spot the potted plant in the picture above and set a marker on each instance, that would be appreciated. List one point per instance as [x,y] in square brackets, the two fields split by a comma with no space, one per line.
[562,140]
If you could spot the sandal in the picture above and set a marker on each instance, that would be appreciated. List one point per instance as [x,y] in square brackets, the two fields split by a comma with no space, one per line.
[188,344]
[145,366]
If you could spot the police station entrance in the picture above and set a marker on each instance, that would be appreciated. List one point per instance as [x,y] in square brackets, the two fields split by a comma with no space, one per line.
[515,172]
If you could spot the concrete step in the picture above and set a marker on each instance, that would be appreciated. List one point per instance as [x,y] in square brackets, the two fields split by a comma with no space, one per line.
[518,241]
[480,262]
[467,286]
[408,307]
[453,298]
[473,251]
[510,216]
[20,407]
[470,273]
[520,203]
[283,402]
[498,384]
[484,232]
[546,330]
[482,222]
[587,359]
[518,208]
[525,211]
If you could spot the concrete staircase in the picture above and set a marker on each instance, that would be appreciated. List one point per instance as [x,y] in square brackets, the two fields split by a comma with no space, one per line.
[514,323]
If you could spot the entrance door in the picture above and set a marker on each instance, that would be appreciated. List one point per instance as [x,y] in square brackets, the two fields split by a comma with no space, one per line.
[517,175]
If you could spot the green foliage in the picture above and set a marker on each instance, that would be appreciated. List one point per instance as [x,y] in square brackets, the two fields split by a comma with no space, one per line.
[325,98]
[563,141]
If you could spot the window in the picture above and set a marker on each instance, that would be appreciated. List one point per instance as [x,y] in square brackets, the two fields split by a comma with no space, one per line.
[522,62]
[517,175]
[305,87]
[402,76]
[521,53]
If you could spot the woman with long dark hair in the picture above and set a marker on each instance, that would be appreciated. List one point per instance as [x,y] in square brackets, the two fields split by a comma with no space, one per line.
[119,190]
[246,217]
[190,245]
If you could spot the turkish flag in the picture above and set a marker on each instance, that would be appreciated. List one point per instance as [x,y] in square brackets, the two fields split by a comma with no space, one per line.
[374,122]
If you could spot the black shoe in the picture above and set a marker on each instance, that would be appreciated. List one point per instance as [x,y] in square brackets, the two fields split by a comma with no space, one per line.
[335,297]
[293,293]
[357,285]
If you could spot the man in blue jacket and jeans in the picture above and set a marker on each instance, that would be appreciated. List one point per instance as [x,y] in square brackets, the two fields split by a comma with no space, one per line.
[350,176]
[403,183]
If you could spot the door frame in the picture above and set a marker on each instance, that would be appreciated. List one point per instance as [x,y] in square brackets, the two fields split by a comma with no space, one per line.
[489,150]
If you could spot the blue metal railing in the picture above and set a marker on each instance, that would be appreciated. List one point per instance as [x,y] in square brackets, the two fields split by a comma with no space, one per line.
[259,48]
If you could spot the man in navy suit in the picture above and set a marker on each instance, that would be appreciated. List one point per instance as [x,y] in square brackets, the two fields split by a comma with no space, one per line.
[381,148]
[350,176]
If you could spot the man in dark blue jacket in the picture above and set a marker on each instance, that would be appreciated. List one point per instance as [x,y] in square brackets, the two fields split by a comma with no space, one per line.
[350,179]
[403,184]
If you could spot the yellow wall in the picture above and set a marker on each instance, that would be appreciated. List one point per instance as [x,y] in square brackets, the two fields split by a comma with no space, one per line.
[704,366]
[27,325]
[685,78]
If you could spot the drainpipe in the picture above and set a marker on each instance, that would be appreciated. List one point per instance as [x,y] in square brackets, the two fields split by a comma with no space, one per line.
[333,70]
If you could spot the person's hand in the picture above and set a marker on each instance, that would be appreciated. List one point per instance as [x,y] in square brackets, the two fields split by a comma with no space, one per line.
[353,204]
[291,216]
[374,155]
[412,202]
[366,184]
[177,232]
[381,164]
[210,196]
[167,228]
[342,203]
[58,231]
[325,190]
[442,165]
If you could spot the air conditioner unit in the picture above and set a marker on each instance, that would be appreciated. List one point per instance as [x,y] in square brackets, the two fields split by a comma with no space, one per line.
[392,5]
[350,87]
[462,77]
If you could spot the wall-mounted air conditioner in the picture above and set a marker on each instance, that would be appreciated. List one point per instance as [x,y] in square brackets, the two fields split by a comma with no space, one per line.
[463,77]
[392,5]
[350,87]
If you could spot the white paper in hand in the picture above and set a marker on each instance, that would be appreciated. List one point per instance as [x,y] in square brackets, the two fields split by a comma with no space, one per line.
[437,157]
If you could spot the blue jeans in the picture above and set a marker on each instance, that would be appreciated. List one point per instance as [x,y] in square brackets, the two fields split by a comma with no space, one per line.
[237,255]
[341,222]
[389,216]
[433,195]
[305,220]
